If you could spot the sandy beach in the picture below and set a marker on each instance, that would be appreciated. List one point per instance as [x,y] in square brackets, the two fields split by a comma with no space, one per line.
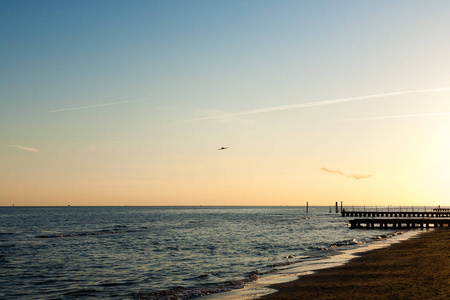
[418,268]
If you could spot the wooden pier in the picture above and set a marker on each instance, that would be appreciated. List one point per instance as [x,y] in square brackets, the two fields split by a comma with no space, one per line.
[398,223]
[442,213]
[382,218]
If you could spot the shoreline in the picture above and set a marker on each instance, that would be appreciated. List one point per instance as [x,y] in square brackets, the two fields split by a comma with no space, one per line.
[265,285]
[415,268]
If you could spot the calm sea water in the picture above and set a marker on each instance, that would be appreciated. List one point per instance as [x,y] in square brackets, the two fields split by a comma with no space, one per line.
[122,252]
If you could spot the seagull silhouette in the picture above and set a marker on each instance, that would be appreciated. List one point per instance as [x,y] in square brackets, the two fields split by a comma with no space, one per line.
[223,148]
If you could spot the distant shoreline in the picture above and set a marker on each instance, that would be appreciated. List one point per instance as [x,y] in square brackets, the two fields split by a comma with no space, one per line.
[417,268]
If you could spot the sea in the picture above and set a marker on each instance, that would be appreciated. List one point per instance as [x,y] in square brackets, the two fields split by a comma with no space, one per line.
[167,252]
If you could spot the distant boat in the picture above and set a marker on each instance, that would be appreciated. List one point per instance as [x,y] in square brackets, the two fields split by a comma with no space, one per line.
[222,148]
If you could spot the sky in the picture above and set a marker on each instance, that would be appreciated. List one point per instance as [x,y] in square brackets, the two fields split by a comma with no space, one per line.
[127,102]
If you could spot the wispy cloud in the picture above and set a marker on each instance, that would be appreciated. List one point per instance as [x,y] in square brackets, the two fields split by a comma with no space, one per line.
[318,103]
[392,117]
[102,148]
[221,116]
[354,176]
[28,149]
[92,106]
[136,167]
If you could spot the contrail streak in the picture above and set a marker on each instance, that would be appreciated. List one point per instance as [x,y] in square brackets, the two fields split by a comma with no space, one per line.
[28,149]
[319,103]
[354,176]
[92,106]
[392,117]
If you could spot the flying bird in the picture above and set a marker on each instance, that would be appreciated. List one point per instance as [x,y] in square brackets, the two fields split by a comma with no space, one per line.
[222,148]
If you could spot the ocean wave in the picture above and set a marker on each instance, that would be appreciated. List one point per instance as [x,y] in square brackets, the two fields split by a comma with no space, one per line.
[192,292]
[183,293]
[88,233]
[364,241]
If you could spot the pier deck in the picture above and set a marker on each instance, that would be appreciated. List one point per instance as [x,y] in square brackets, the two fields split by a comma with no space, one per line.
[397,214]
[398,223]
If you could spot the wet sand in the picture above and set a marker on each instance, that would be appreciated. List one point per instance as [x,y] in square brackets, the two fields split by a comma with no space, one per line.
[418,268]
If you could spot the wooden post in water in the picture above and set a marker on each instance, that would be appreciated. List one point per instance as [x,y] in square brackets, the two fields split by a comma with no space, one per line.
[341,206]
[306,207]
[337,210]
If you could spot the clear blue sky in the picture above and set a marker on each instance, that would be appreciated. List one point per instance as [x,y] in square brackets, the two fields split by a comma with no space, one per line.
[120,102]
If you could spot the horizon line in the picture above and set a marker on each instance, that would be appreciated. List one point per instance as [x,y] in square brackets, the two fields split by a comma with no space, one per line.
[284,205]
